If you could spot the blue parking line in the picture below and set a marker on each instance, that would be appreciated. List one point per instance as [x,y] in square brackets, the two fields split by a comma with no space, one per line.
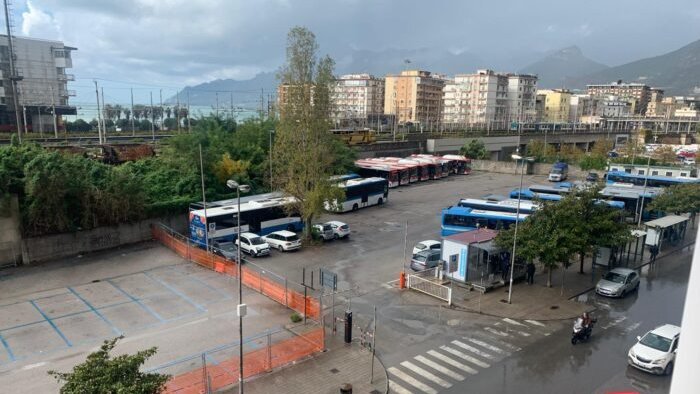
[227,296]
[7,348]
[92,308]
[137,301]
[176,292]
[48,320]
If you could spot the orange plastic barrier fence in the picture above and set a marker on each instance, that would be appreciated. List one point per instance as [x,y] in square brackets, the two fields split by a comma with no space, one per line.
[225,373]
[251,279]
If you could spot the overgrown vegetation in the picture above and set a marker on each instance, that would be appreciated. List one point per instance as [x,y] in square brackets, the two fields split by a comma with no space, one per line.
[474,149]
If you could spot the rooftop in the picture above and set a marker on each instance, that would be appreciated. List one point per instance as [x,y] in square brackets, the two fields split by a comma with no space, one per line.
[472,237]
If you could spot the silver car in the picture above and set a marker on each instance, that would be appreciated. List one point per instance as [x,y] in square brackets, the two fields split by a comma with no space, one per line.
[618,282]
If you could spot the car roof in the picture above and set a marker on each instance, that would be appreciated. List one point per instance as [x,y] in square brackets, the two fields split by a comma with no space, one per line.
[430,251]
[337,223]
[284,233]
[249,235]
[429,242]
[667,331]
[622,271]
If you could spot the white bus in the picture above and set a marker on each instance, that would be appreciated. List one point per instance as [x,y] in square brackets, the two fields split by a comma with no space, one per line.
[508,205]
[361,193]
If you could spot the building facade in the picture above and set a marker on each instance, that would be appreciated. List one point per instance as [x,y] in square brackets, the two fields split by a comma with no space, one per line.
[637,94]
[358,98]
[43,87]
[522,94]
[414,96]
[582,106]
[557,104]
[655,99]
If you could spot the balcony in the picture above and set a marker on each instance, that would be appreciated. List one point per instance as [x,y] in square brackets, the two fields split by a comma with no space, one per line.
[66,77]
[66,93]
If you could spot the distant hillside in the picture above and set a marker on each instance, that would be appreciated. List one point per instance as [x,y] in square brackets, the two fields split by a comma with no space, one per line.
[246,93]
[677,72]
[559,67]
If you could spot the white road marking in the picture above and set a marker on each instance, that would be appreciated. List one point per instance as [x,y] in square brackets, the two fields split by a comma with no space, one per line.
[501,342]
[452,362]
[535,323]
[633,327]
[473,350]
[396,388]
[411,380]
[32,366]
[513,322]
[487,346]
[445,371]
[425,374]
[465,356]
[522,333]
[615,322]
[496,332]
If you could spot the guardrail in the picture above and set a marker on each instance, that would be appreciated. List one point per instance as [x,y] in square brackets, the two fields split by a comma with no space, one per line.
[427,282]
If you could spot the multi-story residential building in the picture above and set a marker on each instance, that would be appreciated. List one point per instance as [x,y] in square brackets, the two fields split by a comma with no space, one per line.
[557,103]
[43,87]
[637,94]
[582,106]
[414,96]
[490,99]
[655,98]
[614,107]
[357,97]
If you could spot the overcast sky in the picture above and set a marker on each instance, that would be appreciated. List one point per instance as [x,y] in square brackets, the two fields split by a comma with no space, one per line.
[173,43]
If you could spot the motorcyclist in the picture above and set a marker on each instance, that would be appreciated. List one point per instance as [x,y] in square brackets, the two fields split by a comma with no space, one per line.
[586,320]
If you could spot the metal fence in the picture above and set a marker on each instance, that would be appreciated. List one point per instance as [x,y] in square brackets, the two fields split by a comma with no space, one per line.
[428,282]
[218,369]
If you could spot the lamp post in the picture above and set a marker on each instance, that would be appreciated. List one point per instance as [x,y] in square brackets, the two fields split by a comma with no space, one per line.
[270,150]
[241,307]
[644,191]
[517,219]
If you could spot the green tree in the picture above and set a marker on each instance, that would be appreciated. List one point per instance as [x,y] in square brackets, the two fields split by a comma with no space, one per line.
[102,373]
[302,156]
[538,150]
[678,199]
[665,154]
[474,149]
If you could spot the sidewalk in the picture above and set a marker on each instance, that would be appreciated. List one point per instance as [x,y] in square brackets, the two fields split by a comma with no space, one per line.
[325,373]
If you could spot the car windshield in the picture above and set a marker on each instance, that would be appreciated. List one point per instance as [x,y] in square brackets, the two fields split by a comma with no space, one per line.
[227,247]
[344,227]
[420,257]
[614,277]
[556,171]
[256,241]
[327,227]
[656,342]
[420,246]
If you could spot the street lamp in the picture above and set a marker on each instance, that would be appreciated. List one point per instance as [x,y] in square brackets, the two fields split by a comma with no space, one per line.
[644,191]
[241,307]
[524,160]
[270,150]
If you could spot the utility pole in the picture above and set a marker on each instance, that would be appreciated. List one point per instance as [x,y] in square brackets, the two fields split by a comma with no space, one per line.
[133,130]
[41,123]
[153,127]
[99,119]
[189,126]
[177,111]
[14,78]
[24,114]
[104,116]
[53,111]
[161,108]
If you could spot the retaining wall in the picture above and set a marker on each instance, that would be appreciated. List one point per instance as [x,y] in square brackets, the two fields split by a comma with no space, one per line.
[511,167]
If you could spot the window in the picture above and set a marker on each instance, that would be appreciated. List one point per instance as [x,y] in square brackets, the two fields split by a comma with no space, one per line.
[654,173]
[640,172]
[669,173]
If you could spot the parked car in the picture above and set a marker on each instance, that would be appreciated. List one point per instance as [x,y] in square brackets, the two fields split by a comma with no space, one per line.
[618,282]
[655,352]
[429,244]
[227,250]
[425,259]
[689,161]
[253,244]
[340,229]
[322,231]
[592,177]
[283,240]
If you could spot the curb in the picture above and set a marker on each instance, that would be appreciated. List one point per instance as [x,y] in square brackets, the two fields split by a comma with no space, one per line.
[386,374]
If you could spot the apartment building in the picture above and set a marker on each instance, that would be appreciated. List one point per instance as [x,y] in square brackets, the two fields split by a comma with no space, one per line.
[557,105]
[582,106]
[490,99]
[43,87]
[414,96]
[358,98]
[637,94]
[655,98]
[615,107]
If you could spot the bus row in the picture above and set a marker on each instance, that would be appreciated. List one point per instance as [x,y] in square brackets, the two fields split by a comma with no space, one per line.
[416,168]
[653,180]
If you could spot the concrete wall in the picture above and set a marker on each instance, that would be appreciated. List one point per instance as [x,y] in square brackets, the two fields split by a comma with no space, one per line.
[10,235]
[56,246]
[510,167]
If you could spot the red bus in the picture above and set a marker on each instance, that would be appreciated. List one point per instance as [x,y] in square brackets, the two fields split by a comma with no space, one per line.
[461,165]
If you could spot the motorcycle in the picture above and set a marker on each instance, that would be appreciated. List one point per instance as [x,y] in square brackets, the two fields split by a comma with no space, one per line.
[581,333]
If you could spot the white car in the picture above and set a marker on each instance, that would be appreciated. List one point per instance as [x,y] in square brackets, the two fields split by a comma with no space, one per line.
[340,229]
[253,244]
[429,244]
[283,240]
[655,352]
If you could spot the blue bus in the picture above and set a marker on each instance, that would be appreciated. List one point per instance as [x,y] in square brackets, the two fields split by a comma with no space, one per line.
[459,219]
[651,181]
[528,194]
[630,196]
[260,214]
[508,205]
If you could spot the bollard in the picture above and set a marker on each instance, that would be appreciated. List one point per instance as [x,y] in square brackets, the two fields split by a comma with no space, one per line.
[346,388]
[402,280]
[348,326]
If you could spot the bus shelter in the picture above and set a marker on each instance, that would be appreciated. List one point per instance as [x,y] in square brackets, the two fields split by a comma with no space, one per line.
[473,258]
[621,255]
[668,230]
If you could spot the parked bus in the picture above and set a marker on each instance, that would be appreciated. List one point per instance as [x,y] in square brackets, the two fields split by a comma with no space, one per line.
[260,214]
[371,168]
[560,189]
[651,181]
[528,194]
[458,219]
[412,168]
[509,205]
[434,168]
[461,165]
[344,177]
[423,174]
[682,172]
[445,164]
[360,193]
[631,197]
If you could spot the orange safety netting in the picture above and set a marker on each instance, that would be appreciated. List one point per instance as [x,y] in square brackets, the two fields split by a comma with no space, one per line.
[255,362]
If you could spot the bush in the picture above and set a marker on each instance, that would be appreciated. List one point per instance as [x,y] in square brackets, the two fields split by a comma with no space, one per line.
[295,317]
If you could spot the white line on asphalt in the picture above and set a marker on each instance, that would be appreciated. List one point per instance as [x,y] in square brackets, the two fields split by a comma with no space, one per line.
[452,362]
[513,322]
[32,366]
[633,327]
[486,345]
[445,371]
[465,356]
[615,322]
[411,380]
[522,333]
[425,374]
[535,323]
[473,350]
[496,332]
[396,388]
[500,342]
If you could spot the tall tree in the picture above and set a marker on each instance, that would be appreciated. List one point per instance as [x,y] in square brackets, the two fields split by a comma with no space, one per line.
[679,199]
[474,149]
[101,373]
[302,155]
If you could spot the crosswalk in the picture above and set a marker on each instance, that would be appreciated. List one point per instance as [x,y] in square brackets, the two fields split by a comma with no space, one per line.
[456,361]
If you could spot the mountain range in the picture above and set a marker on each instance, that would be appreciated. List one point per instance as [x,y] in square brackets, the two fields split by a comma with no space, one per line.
[677,72]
